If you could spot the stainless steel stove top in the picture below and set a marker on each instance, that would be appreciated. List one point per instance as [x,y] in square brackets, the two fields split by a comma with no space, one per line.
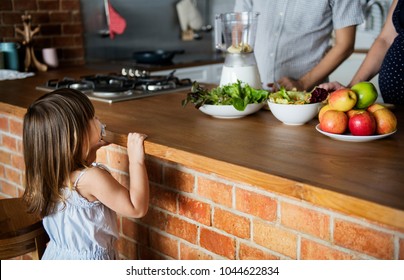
[129,84]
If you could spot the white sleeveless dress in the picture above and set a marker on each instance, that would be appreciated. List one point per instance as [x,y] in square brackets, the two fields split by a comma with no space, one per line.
[81,230]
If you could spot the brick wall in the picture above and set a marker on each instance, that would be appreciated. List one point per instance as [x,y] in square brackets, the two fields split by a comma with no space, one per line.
[60,23]
[195,215]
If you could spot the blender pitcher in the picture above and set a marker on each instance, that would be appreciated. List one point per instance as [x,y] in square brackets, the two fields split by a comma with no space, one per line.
[235,35]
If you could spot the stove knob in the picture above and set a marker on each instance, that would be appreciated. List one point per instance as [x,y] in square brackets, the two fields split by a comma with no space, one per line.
[124,72]
[131,73]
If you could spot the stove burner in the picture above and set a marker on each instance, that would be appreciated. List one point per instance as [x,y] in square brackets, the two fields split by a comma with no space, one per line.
[110,83]
[129,84]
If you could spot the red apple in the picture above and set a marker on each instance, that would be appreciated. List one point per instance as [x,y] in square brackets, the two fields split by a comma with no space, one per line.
[374,107]
[334,121]
[362,124]
[386,121]
[342,100]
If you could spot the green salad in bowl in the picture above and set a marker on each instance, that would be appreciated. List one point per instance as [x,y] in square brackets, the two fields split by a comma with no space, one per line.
[238,95]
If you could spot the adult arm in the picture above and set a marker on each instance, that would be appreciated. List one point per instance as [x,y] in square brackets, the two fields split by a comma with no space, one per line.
[375,56]
[342,49]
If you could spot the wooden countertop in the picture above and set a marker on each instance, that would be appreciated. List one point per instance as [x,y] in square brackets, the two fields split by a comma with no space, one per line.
[364,179]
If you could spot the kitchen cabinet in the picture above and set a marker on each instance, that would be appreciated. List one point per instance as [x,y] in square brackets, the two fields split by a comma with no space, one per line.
[204,74]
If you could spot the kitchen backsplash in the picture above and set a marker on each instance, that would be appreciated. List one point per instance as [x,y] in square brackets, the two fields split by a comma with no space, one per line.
[60,26]
[150,25]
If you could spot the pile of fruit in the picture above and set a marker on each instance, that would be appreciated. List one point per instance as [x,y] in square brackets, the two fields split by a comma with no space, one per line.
[354,110]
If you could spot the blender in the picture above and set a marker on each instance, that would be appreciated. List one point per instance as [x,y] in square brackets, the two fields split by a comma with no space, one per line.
[235,35]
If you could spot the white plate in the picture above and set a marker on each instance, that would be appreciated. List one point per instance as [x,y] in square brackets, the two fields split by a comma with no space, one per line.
[352,138]
[228,111]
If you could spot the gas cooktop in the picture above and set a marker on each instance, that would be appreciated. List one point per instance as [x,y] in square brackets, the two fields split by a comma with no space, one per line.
[127,85]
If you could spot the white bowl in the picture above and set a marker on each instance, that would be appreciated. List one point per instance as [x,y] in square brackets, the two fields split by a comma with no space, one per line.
[294,114]
[229,112]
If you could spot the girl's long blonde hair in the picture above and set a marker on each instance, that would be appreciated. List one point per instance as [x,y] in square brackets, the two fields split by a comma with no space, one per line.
[54,132]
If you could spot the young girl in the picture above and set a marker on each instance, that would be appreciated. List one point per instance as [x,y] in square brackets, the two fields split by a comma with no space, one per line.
[76,197]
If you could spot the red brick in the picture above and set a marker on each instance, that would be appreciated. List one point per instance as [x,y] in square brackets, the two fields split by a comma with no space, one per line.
[16,127]
[215,191]
[102,156]
[256,204]
[134,231]
[154,171]
[231,223]
[401,250]
[13,176]
[74,28]
[310,250]
[247,252]
[9,189]
[24,5]
[17,161]
[195,210]
[189,253]
[10,143]
[40,18]
[182,229]
[2,171]
[118,160]
[305,220]
[274,238]
[163,198]
[70,5]
[4,124]
[217,243]
[6,5]
[155,218]
[59,17]
[179,180]
[127,249]
[5,157]
[51,5]
[364,239]
[164,244]
[146,253]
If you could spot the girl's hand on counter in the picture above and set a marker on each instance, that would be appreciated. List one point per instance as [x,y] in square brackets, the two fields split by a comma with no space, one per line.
[135,146]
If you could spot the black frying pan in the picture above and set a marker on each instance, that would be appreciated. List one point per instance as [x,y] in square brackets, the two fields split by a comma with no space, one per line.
[155,57]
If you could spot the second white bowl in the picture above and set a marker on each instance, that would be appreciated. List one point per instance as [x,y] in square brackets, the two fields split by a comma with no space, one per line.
[294,114]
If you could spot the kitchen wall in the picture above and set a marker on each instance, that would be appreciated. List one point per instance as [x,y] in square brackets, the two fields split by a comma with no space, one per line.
[60,23]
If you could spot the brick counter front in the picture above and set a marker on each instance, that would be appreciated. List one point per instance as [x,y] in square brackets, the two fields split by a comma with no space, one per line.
[195,214]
